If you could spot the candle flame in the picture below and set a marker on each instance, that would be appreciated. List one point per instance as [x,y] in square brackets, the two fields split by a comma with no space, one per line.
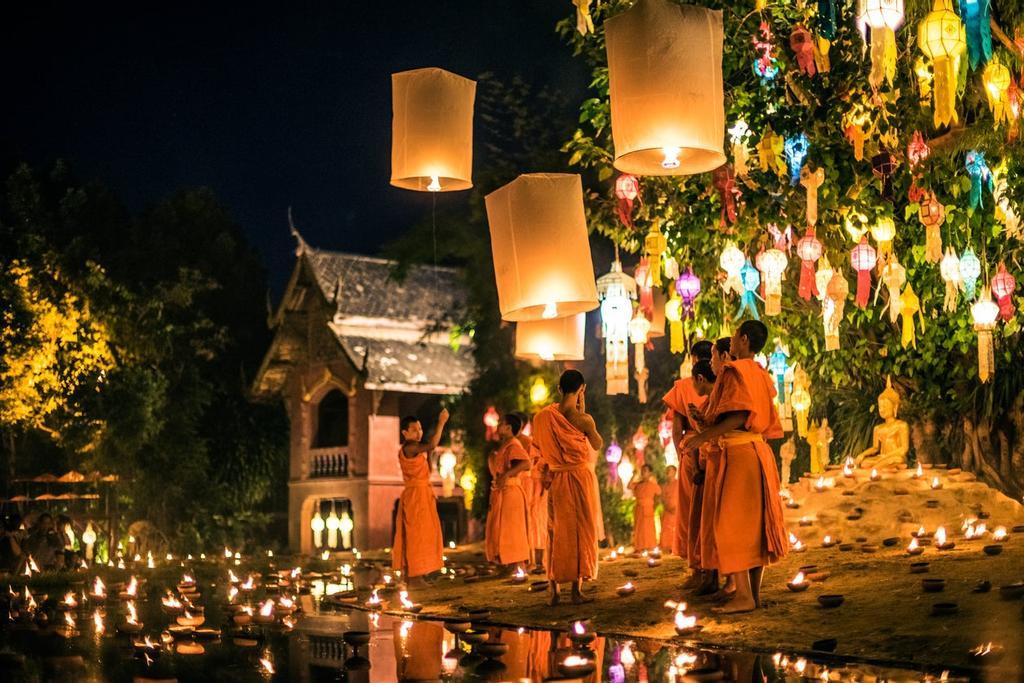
[940,536]
[626,657]
[520,574]
[69,600]
[133,615]
[232,593]
[97,622]
[268,666]
[913,545]
[874,474]
[919,472]
[683,621]
[578,628]
[827,539]
[374,598]
[231,577]
[983,649]
[249,584]
[671,157]
[69,620]
[133,587]
[800,665]
[187,579]
[99,590]
[798,579]
[999,534]
[267,608]
[847,470]
[170,601]
[936,483]
[575,660]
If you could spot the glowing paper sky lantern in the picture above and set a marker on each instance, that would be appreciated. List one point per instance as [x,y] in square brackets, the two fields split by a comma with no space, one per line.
[688,287]
[809,250]
[883,17]
[773,265]
[949,269]
[863,258]
[540,247]
[731,261]
[970,271]
[432,130]
[665,88]
[549,340]
[1003,286]
[985,312]
[617,291]
[942,38]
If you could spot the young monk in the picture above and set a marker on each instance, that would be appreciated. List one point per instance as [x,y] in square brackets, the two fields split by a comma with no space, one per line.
[703,382]
[669,508]
[506,538]
[536,500]
[565,434]
[646,491]
[418,547]
[678,398]
[712,460]
[749,529]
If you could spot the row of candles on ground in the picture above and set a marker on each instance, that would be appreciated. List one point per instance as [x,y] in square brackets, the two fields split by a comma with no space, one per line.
[824,483]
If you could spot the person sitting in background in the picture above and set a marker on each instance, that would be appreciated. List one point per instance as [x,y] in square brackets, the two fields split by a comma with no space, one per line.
[44,544]
[10,544]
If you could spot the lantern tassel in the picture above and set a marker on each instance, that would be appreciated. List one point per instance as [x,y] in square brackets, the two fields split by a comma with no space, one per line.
[945,92]
[986,356]
[676,343]
[747,303]
[883,56]
[863,287]
[808,284]
[975,15]
[933,244]
[801,422]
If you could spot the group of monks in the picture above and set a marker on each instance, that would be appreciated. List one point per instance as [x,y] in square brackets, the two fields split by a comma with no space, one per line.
[724,516]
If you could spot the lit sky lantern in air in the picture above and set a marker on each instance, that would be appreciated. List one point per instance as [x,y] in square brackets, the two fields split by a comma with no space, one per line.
[942,38]
[540,247]
[617,290]
[557,339]
[432,130]
[985,312]
[665,88]
[883,17]
[863,258]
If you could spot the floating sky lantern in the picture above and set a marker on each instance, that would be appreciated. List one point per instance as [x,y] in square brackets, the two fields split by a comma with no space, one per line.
[557,339]
[942,38]
[883,17]
[665,88]
[432,130]
[985,312]
[539,243]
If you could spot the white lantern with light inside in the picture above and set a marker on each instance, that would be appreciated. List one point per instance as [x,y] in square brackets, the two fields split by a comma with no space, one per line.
[985,312]
[557,339]
[318,525]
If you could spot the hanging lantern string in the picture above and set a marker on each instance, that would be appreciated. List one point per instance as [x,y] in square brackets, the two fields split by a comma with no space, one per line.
[433,234]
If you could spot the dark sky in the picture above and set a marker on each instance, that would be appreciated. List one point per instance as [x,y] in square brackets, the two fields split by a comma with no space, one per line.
[271,105]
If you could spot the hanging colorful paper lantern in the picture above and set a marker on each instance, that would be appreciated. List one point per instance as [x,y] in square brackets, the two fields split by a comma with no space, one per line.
[917,150]
[802,43]
[812,180]
[773,265]
[800,399]
[432,130]
[540,247]
[670,266]
[778,366]
[491,421]
[654,246]
[639,327]
[665,88]
[883,17]
[855,128]
[822,276]
[796,149]
[766,66]
[613,454]
[617,290]
[910,305]
[644,285]
[558,339]
[688,287]
[640,440]
[932,214]
[976,16]
[981,177]
[731,261]
[770,153]
[997,80]
[738,135]
[751,279]
[625,471]
[949,269]
[833,307]
[884,231]
[665,429]
[724,180]
[883,165]
[1003,286]
[539,391]
[863,258]
[985,312]
[894,276]
[674,315]
[627,189]
[970,271]
[809,250]
[782,238]
[942,38]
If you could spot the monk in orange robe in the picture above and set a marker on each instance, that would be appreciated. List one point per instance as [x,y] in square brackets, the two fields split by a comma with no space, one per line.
[703,382]
[566,435]
[749,529]
[506,533]
[646,491]
[418,547]
[669,508]
[678,399]
[536,500]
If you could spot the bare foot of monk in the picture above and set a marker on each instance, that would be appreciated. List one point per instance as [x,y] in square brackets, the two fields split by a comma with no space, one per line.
[736,606]
[744,598]
[577,594]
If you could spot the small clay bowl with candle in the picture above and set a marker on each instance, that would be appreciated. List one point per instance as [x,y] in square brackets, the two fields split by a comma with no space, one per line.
[845,547]
[798,587]
[948,545]
[831,600]
[1018,529]
[933,585]
[482,614]
[869,548]
[808,568]
[931,503]
[806,521]
[474,637]
[517,579]
[689,630]
[792,505]
[829,542]
[918,567]
[994,549]
[575,666]
[944,609]
[456,625]
[538,586]
[207,634]
[1012,591]
[627,589]
[653,562]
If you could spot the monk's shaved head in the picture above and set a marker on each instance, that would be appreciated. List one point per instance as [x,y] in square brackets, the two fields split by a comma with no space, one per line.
[756,333]
[701,350]
[570,382]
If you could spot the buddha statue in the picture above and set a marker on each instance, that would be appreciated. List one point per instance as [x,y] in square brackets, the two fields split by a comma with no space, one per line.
[890,440]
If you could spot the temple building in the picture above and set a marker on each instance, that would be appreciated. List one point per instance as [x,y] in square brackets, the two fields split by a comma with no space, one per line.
[354,350]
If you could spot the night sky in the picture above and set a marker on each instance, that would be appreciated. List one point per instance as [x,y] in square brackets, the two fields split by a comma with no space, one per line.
[271,106]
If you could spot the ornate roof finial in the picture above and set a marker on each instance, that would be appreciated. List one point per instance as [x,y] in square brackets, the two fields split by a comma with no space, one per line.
[300,244]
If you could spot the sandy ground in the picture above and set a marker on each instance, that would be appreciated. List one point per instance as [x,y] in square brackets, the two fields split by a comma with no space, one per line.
[886,616]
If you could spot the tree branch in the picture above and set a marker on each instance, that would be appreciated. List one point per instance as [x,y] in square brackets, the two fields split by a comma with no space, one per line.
[1005,39]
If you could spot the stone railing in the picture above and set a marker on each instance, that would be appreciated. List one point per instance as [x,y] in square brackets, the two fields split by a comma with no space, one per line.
[324,463]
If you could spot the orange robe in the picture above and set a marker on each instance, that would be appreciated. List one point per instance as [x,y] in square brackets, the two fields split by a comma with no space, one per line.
[572,544]
[669,513]
[679,398]
[506,531]
[418,545]
[536,497]
[418,653]
[644,533]
[748,522]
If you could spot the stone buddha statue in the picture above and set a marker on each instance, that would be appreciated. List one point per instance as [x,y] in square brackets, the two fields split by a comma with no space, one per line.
[890,440]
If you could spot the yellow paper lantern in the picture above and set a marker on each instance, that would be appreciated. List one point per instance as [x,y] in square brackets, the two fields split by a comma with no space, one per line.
[984,311]
[773,264]
[665,87]
[941,37]
[997,81]
[432,130]
[540,247]
[884,231]
[557,339]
